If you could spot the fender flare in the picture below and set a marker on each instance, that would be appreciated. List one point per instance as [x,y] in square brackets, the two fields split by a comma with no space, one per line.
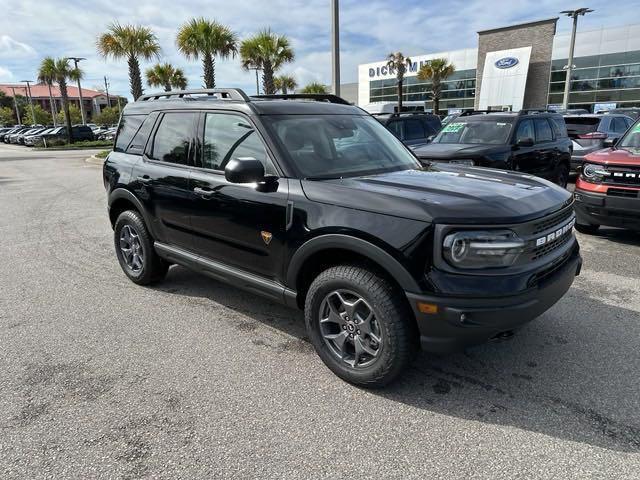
[356,245]
[122,193]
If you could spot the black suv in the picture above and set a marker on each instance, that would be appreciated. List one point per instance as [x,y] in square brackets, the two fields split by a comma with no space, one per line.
[531,141]
[311,202]
[412,128]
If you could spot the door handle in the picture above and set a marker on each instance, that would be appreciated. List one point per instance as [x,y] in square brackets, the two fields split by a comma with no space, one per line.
[146,179]
[204,193]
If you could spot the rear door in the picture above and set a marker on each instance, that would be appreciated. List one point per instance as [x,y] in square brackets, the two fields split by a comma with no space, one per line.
[546,151]
[162,178]
[242,225]
[525,158]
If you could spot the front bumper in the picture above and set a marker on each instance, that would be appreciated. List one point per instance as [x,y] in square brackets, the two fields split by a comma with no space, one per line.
[601,209]
[463,322]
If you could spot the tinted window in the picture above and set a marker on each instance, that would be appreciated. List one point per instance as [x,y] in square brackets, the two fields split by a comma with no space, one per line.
[129,125]
[581,125]
[525,130]
[136,146]
[413,130]
[173,138]
[543,130]
[231,136]
[395,128]
[618,125]
[559,127]
[476,130]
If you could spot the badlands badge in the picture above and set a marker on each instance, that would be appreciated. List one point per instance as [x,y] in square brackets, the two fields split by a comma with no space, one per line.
[266,237]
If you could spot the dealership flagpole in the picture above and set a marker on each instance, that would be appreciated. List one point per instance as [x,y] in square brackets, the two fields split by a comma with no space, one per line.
[335,46]
[567,82]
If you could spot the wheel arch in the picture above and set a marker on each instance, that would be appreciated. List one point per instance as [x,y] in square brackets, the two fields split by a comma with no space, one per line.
[121,200]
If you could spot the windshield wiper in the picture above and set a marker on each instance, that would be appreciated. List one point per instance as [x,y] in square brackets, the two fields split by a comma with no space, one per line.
[324,177]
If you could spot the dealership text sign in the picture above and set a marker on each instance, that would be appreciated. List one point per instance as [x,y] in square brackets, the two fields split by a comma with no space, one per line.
[385,70]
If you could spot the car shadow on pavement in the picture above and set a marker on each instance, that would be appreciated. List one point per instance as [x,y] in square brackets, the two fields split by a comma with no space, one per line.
[618,235]
[571,374]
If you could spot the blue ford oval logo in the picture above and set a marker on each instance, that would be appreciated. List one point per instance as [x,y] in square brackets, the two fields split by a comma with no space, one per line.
[507,62]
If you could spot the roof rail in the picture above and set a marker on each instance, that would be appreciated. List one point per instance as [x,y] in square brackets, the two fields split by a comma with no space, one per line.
[468,113]
[318,97]
[535,110]
[220,93]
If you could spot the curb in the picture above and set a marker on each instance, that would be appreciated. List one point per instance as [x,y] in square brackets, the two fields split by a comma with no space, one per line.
[93,160]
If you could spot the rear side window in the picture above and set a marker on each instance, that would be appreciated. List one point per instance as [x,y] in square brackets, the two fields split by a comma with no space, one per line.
[618,125]
[172,141]
[129,125]
[543,130]
[559,127]
[413,129]
[525,130]
[136,147]
[395,127]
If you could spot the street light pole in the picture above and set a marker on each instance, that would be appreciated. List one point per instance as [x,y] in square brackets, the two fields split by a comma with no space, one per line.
[15,102]
[75,61]
[33,114]
[335,46]
[567,82]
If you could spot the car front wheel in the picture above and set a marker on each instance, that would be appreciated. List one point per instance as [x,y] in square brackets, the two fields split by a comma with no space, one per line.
[360,325]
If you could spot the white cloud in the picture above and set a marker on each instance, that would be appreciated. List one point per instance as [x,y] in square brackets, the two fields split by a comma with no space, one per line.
[10,48]
[5,74]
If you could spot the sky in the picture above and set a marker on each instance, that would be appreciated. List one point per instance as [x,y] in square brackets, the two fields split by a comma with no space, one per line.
[370,29]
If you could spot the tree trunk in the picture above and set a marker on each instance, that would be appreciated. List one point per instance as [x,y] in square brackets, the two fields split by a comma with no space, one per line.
[167,87]
[399,96]
[65,107]
[436,91]
[209,65]
[284,89]
[267,79]
[134,78]
[52,107]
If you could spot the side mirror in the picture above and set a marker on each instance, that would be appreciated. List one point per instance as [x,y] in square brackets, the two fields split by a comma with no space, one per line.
[525,142]
[244,170]
[430,138]
[609,142]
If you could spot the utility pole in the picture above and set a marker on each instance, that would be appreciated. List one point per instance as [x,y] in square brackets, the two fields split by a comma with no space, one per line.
[33,114]
[75,61]
[15,102]
[335,46]
[106,87]
[567,83]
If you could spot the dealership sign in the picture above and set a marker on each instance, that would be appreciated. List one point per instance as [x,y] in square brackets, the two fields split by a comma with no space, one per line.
[506,62]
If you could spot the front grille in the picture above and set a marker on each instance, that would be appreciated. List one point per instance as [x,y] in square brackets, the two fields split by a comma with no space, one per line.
[553,220]
[620,192]
[623,176]
[546,249]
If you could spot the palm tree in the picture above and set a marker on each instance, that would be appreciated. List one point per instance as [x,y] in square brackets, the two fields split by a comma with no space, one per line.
[62,72]
[208,39]
[167,76]
[436,71]
[130,42]
[46,74]
[315,87]
[284,83]
[268,52]
[398,62]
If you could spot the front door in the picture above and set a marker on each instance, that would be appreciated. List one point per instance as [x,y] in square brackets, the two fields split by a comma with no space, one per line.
[241,225]
[525,157]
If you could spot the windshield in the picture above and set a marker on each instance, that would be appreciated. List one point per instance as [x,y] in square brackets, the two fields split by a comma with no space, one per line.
[476,131]
[631,141]
[335,146]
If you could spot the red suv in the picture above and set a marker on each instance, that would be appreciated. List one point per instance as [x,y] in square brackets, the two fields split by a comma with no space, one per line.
[608,189]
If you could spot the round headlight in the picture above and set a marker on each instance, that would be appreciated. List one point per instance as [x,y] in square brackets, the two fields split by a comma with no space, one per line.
[594,172]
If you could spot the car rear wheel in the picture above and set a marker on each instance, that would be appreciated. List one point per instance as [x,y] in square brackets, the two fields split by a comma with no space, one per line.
[134,249]
[562,175]
[360,325]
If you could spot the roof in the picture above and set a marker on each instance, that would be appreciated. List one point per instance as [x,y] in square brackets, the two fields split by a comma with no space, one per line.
[41,90]
[520,25]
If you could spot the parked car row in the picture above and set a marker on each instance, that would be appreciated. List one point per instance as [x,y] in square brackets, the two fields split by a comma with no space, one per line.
[38,134]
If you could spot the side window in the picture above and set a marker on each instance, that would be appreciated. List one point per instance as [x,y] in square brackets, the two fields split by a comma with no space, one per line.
[172,140]
[543,130]
[228,136]
[618,125]
[525,130]
[628,121]
[136,147]
[395,127]
[413,129]
[559,127]
[127,128]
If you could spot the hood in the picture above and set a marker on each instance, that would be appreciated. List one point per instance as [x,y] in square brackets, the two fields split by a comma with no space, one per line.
[618,156]
[455,150]
[444,194]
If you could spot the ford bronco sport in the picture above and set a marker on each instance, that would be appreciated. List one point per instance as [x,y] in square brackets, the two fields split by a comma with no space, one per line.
[311,202]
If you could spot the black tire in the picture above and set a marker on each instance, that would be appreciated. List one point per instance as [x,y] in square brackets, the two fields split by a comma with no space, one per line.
[392,319]
[561,177]
[589,229]
[151,268]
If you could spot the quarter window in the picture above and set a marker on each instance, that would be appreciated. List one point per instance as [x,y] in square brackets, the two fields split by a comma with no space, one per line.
[618,125]
[231,136]
[129,125]
[172,141]
[543,130]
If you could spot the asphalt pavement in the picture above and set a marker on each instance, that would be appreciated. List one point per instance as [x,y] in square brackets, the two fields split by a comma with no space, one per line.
[100,378]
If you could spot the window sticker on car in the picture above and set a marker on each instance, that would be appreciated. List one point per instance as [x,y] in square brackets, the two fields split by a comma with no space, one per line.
[453,127]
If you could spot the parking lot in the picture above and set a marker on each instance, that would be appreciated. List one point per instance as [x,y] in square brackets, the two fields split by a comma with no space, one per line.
[100,378]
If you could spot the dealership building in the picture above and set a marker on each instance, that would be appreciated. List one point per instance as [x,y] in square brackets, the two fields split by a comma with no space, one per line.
[523,66]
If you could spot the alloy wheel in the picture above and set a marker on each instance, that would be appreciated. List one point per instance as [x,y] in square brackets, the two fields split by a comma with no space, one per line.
[350,329]
[131,248]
